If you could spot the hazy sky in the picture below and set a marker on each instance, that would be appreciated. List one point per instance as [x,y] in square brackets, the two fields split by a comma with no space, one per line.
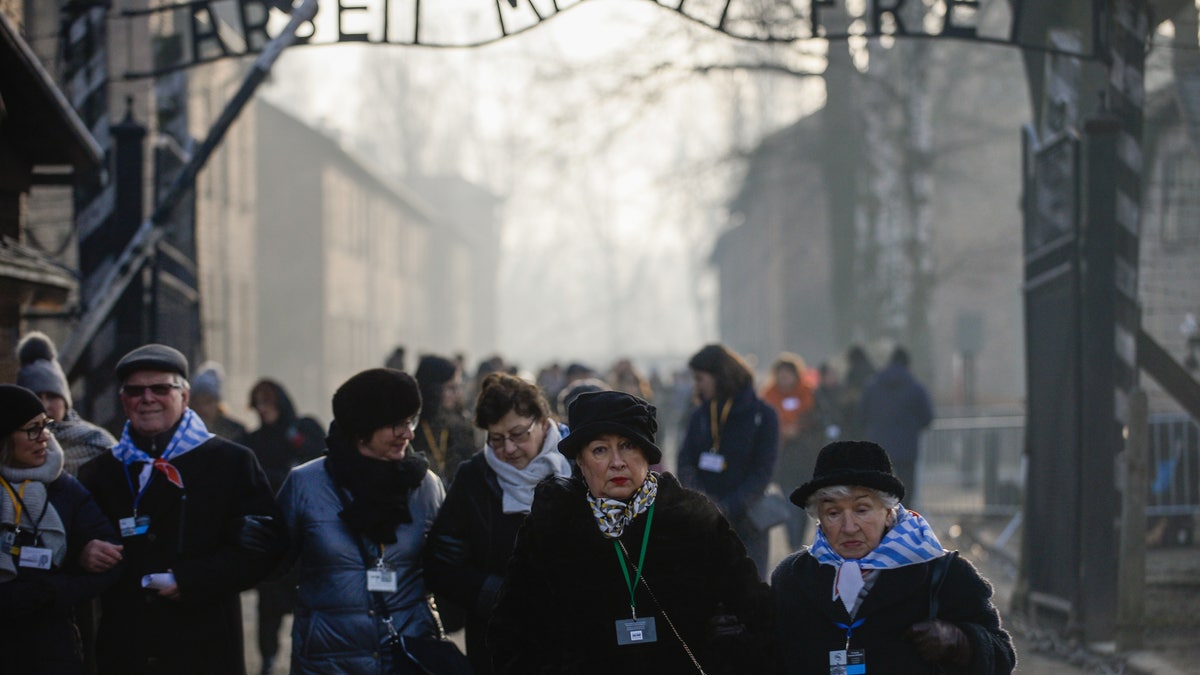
[614,187]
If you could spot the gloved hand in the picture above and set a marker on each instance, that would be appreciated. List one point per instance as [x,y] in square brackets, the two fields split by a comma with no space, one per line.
[255,534]
[725,624]
[450,550]
[940,641]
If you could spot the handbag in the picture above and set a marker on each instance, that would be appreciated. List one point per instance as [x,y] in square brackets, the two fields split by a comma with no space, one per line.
[771,509]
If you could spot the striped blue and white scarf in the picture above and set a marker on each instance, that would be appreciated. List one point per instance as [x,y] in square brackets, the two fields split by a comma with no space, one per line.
[190,435]
[911,541]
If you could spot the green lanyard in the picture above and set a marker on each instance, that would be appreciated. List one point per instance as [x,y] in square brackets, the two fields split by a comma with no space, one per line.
[632,584]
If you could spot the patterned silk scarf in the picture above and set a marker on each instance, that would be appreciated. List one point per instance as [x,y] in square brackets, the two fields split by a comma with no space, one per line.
[911,541]
[190,435]
[612,515]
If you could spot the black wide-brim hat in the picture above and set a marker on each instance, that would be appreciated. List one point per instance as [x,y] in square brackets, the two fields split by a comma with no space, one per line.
[860,463]
[596,413]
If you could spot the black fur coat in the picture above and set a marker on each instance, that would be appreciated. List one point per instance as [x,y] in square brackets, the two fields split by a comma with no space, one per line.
[565,590]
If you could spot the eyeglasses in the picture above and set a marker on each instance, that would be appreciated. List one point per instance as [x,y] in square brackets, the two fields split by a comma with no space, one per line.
[410,424]
[35,432]
[139,390]
[497,441]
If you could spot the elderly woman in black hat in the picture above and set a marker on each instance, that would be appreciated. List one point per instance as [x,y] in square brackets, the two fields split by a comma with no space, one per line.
[876,589]
[620,569]
[46,519]
[358,518]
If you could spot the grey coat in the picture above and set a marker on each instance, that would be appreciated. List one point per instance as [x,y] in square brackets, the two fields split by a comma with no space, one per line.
[336,628]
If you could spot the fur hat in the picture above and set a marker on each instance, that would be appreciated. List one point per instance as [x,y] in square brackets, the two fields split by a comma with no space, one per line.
[40,371]
[611,412]
[152,357]
[18,405]
[373,399]
[861,463]
[208,379]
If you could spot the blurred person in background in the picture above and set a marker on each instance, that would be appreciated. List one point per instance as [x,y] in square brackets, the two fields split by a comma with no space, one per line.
[624,377]
[471,541]
[444,436]
[41,373]
[731,442]
[859,371]
[358,519]
[789,391]
[619,569]
[282,441]
[893,411]
[209,404]
[47,520]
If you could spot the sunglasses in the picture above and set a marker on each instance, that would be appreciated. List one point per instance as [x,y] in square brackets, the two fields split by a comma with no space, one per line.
[139,390]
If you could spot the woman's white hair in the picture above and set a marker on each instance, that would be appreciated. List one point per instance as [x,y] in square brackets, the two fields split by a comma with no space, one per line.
[889,500]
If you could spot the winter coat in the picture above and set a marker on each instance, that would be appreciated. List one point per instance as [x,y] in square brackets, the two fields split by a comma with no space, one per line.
[469,548]
[807,618]
[749,443]
[564,590]
[37,626]
[336,628]
[893,410]
[193,532]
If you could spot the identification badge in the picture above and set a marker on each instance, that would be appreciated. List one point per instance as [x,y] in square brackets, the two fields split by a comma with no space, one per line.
[381,579]
[636,631]
[848,662]
[791,403]
[133,527]
[712,461]
[6,542]
[35,557]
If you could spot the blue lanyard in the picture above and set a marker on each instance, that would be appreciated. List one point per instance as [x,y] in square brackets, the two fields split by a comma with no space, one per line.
[137,494]
[849,629]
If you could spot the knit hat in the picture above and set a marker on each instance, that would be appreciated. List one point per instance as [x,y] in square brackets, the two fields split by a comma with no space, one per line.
[18,405]
[611,412]
[435,370]
[861,463]
[40,371]
[152,357]
[373,399]
[208,379]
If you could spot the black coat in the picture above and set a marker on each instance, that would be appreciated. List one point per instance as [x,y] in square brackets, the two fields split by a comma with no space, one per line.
[564,590]
[192,532]
[37,626]
[468,551]
[807,618]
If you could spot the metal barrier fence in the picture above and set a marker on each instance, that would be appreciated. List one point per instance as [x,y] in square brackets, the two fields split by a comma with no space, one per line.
[975,466]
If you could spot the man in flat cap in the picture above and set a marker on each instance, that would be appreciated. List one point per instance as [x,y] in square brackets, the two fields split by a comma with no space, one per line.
[198,523]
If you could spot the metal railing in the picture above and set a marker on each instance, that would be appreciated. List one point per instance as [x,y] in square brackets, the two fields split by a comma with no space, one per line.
[975,466]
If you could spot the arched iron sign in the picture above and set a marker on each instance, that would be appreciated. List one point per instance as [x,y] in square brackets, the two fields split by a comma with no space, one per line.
[208,30]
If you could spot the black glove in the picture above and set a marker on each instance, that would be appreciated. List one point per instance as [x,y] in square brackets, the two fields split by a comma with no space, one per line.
[724,624]
[940,641]
[255,534]
[450,550]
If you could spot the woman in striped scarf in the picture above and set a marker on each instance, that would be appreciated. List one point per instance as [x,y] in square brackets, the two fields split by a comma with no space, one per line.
[876,592]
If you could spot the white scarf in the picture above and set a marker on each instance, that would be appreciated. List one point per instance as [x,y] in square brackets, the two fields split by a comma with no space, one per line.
[51,532]
[190,435]
[518,484]
[911,541]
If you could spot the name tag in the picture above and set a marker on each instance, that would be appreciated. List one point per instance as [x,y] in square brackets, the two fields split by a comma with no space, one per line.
[712,461]
[636,631]
[381,580]
[791,403]
[35,557]
[848,662]
[133,527]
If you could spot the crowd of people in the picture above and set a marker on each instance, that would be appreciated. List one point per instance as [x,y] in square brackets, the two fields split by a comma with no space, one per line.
[538,513]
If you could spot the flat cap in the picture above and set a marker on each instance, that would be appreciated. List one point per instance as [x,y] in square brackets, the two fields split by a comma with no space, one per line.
[154,357]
